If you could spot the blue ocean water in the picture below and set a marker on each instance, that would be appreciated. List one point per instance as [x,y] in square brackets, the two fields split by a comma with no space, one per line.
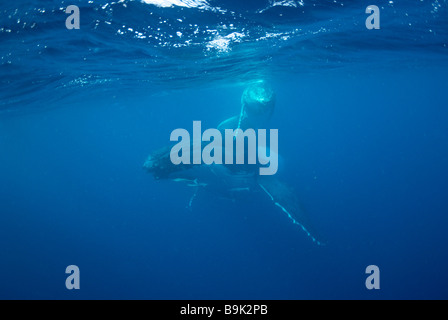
[363,136]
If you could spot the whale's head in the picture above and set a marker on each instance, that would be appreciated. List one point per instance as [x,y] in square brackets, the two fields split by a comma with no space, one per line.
[258,100]
[159,164]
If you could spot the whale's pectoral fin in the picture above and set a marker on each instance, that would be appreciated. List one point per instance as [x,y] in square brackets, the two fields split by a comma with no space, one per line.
[231,123]
[285,198]
[191,183]
[195,194]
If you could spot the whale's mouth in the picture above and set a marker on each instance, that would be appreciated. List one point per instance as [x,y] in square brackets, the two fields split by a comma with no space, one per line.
[159,164]
[155,166]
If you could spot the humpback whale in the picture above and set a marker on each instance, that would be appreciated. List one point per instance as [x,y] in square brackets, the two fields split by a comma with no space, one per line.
[231,180]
